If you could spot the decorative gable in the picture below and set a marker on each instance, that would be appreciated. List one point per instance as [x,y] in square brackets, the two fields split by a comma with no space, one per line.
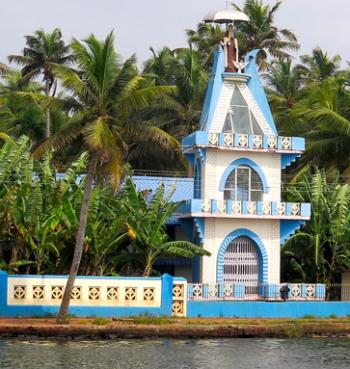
[239,117]
[238,112]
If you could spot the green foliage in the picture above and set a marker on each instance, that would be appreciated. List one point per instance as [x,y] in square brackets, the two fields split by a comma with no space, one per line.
[146,215]
[321,250]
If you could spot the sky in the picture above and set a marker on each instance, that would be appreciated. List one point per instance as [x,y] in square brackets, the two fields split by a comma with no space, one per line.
[139,24]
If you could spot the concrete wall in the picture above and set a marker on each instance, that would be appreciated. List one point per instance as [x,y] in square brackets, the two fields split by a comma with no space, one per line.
[20,295]
[259,309]
[216,230]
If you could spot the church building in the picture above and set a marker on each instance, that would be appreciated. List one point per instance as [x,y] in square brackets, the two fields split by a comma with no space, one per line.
[233,206]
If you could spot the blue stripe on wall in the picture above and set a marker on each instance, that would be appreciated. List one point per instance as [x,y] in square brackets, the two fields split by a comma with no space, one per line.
[261,309]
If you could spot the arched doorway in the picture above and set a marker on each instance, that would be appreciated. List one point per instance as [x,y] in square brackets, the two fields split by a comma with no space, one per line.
[241,264]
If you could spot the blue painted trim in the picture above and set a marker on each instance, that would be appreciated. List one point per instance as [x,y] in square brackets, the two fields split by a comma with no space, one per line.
[167,294]
[197,187]
[3,290]
[191,158]
[288,159]
[262,309]
[214,89]
[263,259]
[246,162]
[187,226]
[298,143]
[257,88]
[202,155]
[305,209]
[200,228]
[288,228]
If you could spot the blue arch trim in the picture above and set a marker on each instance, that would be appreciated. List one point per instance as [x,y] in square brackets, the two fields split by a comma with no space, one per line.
[257,89]
[262,254]
[248,163]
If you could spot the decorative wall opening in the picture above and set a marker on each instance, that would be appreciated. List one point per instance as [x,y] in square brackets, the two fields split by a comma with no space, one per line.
[243,184]
[239,118]
[241,264]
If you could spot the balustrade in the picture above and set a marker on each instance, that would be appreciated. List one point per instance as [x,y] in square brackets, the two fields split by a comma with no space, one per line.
[251,208]
[34,290]
[235,140]
[229,291]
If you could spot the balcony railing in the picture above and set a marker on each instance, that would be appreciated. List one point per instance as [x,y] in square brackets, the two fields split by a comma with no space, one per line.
[243,141]
[265,292]
[242,208]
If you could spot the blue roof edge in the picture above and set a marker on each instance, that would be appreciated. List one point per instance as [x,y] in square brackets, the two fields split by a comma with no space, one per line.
[257,89]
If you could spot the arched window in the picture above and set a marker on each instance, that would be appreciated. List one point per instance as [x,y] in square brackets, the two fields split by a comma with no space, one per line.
[243,184]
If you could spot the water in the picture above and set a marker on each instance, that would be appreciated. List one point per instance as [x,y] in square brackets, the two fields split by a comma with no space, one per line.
[170,353]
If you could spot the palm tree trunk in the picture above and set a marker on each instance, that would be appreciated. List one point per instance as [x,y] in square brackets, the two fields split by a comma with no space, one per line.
[79,243]
[147,271]
[47,111]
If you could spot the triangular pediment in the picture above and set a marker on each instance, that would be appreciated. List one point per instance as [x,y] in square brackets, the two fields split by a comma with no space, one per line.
[239,116]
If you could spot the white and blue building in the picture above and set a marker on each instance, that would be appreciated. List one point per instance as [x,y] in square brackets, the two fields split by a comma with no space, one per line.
[233,206]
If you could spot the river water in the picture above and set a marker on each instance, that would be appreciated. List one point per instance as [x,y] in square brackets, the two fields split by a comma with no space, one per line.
[170,353]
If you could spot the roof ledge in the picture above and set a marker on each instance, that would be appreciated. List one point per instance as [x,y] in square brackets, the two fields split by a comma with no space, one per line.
[238,77]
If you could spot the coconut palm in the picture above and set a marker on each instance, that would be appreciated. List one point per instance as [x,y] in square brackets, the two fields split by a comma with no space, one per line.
[146,215]
[324,109]
[20,110]
[43,52]
[261,32]
[284,86]
[180,111]
[160,67]
[105,93]
[319,65]
[206,39]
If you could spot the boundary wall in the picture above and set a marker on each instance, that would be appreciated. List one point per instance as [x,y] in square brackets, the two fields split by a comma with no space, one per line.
[267,309]
[40,296]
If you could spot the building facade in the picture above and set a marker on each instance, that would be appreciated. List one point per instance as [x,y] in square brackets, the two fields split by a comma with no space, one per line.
[237,211]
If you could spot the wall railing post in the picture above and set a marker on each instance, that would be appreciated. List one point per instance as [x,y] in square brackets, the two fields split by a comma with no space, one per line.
[3,292]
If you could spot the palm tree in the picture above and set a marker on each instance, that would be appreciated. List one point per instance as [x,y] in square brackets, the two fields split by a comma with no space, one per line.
[324,110]
[160,67]
[180,112]
[105,93]
[206,39]
[146,215]
[261,33]
[20,110]
[319,66]
[284,86]
[43,53]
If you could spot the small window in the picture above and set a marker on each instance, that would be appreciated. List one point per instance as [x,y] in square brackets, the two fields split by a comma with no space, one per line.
[243,184]
[239,118]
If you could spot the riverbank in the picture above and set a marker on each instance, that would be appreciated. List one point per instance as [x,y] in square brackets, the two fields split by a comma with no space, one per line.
[142,327]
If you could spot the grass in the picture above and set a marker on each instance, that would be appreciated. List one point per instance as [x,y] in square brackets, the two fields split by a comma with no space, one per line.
[101,321]
[150,320]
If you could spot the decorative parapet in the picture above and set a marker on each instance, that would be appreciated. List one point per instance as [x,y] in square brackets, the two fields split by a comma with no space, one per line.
[237,209]
[87,291]
[243,142]
[179,294]
[271,292]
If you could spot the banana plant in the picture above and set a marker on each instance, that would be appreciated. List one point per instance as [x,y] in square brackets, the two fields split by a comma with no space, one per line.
[145,215]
